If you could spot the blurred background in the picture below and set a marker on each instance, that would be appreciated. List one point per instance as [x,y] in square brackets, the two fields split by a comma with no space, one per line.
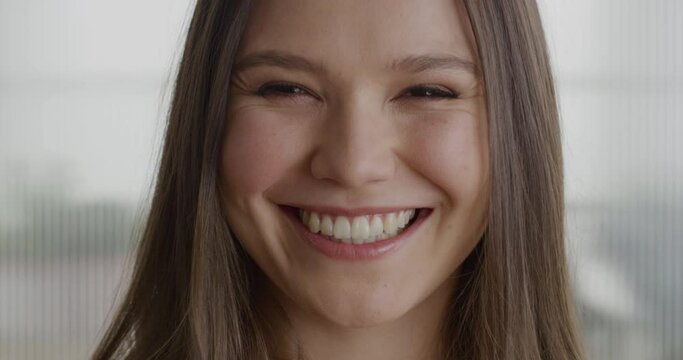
[84,89]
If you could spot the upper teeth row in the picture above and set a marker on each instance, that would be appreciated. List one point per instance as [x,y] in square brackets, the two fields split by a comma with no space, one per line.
[359,229]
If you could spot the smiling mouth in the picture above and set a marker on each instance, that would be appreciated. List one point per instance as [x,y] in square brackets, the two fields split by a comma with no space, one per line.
[361,229]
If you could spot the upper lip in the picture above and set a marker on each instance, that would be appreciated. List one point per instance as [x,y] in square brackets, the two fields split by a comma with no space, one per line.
[351,212]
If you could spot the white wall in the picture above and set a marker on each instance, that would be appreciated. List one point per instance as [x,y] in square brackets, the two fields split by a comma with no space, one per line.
[619,66]
[83,94]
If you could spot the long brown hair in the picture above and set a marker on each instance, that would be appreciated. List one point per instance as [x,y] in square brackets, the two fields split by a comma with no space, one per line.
[192,289]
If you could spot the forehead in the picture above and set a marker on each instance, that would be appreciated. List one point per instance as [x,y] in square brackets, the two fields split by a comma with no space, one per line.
[358,33]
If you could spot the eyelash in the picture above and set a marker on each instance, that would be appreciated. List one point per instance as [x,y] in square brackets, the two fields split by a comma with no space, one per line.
[269,88]
[276,90]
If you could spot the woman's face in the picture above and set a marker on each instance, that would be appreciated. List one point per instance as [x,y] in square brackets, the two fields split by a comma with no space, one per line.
[356,112]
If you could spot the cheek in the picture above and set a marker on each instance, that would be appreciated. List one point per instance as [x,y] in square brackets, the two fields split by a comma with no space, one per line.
[258,148]
[451,151]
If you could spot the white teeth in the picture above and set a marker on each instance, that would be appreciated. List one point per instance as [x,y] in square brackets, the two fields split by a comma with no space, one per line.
[376,226]
[326,226]
[402,220]
[390,224]
[342,229]
[313,222]
[359,229]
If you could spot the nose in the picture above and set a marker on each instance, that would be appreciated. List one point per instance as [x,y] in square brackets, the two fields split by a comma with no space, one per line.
[356,145]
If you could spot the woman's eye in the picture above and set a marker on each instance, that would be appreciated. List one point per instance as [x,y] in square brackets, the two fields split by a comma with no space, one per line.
[431,92]
[292,90]
[281,89]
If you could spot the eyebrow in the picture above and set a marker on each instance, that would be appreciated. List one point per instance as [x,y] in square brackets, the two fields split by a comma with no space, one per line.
[410,63]
[279,59]
[420,63]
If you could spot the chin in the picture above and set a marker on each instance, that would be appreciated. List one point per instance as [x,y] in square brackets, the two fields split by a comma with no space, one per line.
[363,318]
[363,310]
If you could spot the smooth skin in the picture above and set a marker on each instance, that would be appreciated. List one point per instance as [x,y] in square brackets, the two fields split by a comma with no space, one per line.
[353,124]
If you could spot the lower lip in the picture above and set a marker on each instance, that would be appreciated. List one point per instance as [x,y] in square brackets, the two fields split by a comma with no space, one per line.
[355,252]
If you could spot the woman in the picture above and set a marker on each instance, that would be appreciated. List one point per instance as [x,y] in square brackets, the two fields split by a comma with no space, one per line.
[356,180]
